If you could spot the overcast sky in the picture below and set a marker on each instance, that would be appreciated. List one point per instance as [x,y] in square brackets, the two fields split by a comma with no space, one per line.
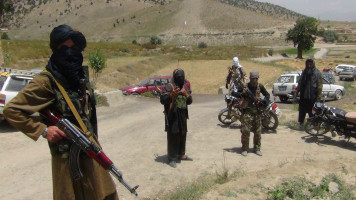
[337,10]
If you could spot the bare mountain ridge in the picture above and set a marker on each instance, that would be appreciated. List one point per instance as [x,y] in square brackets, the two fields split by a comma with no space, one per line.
[175,21]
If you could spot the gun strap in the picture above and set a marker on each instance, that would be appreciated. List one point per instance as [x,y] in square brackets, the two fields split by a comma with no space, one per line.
[83,128]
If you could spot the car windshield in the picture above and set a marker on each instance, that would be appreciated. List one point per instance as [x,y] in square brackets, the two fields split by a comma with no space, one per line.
[143,82]
[2,81]
[17,84]
[285,79]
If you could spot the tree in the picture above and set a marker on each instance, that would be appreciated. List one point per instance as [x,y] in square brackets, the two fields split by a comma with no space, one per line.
[97,62]
[303,33]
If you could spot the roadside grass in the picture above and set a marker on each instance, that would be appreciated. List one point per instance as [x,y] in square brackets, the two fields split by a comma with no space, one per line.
[198,188]
[330,187]
[101,100]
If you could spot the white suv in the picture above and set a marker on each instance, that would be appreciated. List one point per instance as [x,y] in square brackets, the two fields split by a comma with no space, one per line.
[341,67]
[11,82]
[287,83]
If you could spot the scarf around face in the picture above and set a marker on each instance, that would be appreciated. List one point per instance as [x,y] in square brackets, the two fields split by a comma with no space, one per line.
[66,63]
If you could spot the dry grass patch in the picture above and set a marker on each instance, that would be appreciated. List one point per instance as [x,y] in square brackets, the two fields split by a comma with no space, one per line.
[207,76]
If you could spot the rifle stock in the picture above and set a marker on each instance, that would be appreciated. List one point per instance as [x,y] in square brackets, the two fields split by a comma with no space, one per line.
[82,143]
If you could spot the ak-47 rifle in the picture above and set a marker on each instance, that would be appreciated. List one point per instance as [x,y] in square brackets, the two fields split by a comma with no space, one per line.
[249,93]
[82,143]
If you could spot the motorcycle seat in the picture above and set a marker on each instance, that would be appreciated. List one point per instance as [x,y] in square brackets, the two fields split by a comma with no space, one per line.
[351,117]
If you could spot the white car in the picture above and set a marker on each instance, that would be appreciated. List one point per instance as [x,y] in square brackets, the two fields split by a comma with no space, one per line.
[287,83]
[11,82]
[341,67]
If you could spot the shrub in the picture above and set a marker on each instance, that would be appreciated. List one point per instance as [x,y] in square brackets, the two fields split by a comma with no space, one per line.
[155,40]
[149,45]
[270,52]
[202,45]
[97,62]
[330,36]
[4,36]
[134,42]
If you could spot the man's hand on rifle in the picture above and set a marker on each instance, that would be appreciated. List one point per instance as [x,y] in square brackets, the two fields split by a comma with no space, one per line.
[54,134]
[184,92]
[174,93]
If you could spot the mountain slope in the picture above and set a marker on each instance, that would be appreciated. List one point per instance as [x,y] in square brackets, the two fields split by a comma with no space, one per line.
[176,21]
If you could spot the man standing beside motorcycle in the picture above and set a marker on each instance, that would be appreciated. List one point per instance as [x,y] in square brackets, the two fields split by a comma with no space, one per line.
[309,87]
[251,113]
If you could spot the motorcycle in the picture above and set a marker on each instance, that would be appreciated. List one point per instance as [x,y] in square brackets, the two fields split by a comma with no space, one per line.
[232,113]
[332,119]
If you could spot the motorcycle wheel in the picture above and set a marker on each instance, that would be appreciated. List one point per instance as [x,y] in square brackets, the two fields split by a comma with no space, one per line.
[224,118]
[316,128]
[270,121]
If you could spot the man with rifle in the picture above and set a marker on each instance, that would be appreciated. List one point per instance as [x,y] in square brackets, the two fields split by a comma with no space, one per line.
[176,97]
[63,89]
[251,108]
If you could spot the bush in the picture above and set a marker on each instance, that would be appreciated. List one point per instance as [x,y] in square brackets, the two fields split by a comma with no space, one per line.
[202,45]
[270,52]
[134,42]
[149,46]
[4,36]
[101,100]
[97,62]
[330,36]
[155,40]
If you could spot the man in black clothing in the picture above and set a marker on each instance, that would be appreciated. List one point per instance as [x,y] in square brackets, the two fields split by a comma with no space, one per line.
[176,97]
[310,86]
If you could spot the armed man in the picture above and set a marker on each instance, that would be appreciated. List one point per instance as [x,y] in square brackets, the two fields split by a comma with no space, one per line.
[176,97]
[251,108]
[236,76]
[64,70]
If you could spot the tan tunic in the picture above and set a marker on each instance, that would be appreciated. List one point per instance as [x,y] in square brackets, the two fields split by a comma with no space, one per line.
[96,184]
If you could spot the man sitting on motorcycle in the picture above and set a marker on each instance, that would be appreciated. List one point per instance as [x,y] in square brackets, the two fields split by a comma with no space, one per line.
[234,75]
[251,113]
[237,78]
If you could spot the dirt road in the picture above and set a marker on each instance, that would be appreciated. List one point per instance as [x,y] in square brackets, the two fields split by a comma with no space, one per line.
[131,132]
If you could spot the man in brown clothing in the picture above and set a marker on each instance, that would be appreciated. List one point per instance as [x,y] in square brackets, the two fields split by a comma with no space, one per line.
[65,67]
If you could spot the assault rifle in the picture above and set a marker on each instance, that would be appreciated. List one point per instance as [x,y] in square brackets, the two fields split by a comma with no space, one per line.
[82,143]
[256,101]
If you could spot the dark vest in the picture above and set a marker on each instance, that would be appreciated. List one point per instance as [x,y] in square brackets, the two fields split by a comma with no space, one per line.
[85,109]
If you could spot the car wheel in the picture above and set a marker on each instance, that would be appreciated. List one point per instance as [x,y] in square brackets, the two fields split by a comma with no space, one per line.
[135,93]
[283,99]
[338,94]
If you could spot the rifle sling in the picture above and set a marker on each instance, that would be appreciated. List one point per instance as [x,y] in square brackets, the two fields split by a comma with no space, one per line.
[83,129]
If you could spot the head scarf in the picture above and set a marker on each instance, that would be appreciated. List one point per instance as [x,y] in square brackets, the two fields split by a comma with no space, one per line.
[178,77]
[236,62]
[66,62]
[253,76]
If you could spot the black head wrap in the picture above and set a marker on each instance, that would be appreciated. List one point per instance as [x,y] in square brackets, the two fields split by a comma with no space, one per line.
[178,77]
[66,62]
[64,32]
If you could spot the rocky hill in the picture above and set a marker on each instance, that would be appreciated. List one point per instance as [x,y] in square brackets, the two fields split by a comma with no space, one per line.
[175,21]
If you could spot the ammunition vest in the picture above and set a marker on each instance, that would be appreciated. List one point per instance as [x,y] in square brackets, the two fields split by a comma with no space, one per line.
[85,110]
[245,102]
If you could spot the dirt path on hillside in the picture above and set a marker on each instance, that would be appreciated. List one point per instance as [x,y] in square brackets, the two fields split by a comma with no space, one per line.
[188,20]
[131,132]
